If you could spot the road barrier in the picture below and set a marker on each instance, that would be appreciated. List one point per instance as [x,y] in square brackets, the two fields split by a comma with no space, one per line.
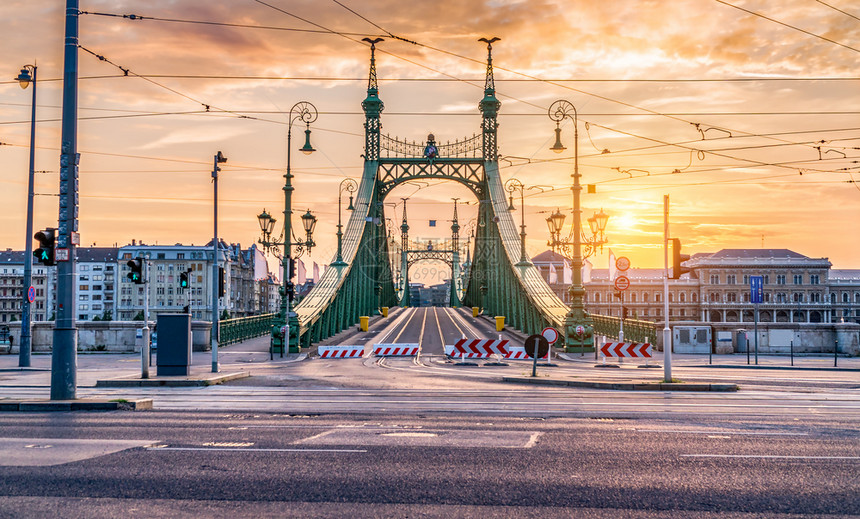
[395,350]
[481,348]
[519,353]
[626,349]
[340,352]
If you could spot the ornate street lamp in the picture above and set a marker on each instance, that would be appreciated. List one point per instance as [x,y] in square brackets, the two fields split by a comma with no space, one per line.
[350,186]
[288,336]
[511,186]
[579,327]
[24,79]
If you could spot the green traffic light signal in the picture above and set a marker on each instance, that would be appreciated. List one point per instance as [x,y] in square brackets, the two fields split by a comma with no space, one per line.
[45,253]
[183,280]
[136,274]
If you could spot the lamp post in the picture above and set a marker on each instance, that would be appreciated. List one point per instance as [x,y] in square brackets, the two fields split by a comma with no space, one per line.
[27,76]
[218,158]
[306,113]
[511,186]
[350,186]
[579,327]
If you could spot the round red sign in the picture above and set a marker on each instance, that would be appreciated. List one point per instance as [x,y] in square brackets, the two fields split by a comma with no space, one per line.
[622,263]
[551,334]
[622,283]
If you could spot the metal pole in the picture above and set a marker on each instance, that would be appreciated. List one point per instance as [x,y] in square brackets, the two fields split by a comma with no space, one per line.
[835,351]
[755,332]
[535,356]
[25,346]
[667,333]
[215,278]
[288,289]
[144,349]
[64,354]
[792,352]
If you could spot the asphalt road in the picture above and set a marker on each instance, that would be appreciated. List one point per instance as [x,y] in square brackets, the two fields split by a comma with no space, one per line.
[184,464]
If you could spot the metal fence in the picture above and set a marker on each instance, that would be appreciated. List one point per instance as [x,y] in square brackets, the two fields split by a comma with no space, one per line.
[634,329]
[241,328]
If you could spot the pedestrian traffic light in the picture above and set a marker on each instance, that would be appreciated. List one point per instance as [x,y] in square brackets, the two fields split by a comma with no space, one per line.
[678,259]
[45,253]
[136,274]
[221,285]
[183,280]
[624,312]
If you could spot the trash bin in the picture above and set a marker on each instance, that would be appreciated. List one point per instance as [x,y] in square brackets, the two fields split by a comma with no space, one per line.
[475,311]
[384,310]
[365,322]
[742,341]
[500,323]
[174,352]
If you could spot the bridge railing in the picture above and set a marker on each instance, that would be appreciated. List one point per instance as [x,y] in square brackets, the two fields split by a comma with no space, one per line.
[242,328]
[634,329]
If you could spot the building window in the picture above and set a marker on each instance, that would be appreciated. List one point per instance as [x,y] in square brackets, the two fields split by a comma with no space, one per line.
[798,279]
[731,297]
[845,297]
[746,279]
[780,279]
[814,279]
[84,287]
[731,279]
[797,297]
[715,279]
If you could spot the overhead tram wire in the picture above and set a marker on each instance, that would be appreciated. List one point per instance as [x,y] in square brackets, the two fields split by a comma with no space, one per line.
[808,33]
[562,86]
[837,9]
[500,68]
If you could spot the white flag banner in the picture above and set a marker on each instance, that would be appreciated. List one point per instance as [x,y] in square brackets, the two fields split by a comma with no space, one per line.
[612,269]
[567,274]
[301,273]
[553,275]
[316,273]
[586,271]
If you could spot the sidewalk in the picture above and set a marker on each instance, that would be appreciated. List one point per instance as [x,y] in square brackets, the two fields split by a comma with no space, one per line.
[735,360]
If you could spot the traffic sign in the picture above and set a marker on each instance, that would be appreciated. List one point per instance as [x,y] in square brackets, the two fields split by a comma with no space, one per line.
[622,283]
[31,294]
[757,289]
[542,346]
[550,334]
[622,263]
[626,349]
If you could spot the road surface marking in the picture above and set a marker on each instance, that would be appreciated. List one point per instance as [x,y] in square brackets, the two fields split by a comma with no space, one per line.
[224,449]
[746,433]
[771,457]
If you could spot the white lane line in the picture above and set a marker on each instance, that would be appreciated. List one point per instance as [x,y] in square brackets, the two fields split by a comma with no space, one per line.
[745,433]
[532,440]
[221,449]
[770,457]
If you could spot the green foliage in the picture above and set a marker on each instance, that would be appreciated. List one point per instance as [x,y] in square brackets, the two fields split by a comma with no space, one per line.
[107,316]
[139,316]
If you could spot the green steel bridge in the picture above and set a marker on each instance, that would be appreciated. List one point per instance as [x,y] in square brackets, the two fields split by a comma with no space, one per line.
[497,279]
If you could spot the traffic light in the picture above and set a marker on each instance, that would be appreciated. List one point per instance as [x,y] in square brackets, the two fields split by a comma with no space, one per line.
[45,253]
[678,259]
[221,285]
[183,280]
[136,274]
[624,312]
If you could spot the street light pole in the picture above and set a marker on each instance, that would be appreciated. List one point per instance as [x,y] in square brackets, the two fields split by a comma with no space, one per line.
[25,346]
[349,185]
[579,327]
[307,113]
[216,279]
[511,186]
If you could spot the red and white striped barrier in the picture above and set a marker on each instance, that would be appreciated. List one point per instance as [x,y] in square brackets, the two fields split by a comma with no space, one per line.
[519,353]
[451,351]
[395,350]
[481,348]
[626,349]
[340,352]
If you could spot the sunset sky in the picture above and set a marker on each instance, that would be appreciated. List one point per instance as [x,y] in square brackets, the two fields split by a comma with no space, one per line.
[750,123]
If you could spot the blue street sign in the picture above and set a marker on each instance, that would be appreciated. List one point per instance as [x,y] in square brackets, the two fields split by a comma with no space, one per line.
[757,289]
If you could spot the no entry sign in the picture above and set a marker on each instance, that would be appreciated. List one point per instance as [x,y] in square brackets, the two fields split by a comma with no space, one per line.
[622,283]
[551,334]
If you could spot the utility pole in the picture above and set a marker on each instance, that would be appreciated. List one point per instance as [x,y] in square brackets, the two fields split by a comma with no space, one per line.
[667,333]
[25,347]
[64,354]
[145,348]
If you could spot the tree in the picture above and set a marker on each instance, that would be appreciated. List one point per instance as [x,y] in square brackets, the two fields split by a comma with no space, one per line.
[139,316]
[107,316]
[224,315]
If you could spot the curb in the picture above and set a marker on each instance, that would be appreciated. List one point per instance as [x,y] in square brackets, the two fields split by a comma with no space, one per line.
[786,368]
[623,386]
[172,381]
[41,406]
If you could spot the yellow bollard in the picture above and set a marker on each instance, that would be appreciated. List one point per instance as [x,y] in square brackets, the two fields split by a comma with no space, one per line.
[365,322]
[384,311]
[500,323]
[475,311]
